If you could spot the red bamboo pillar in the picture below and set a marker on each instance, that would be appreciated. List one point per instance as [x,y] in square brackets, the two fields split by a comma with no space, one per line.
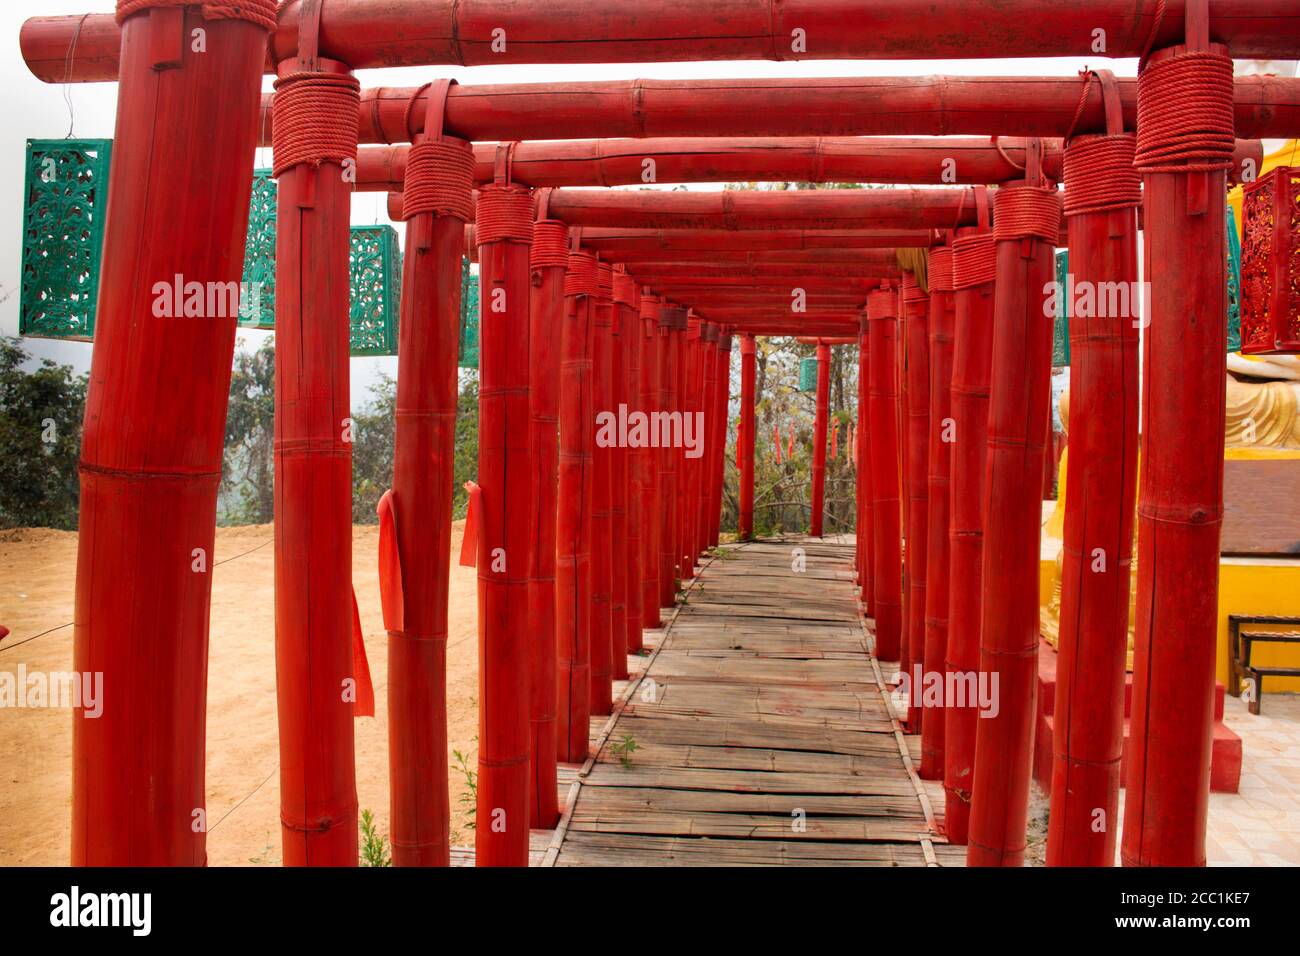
[938,505]
[149,494]
[1102,192]
[602,519]
[627,551]
[916,318]
[819,438]
[1027,224]
[315,103]
[506,472]
[865,535]
[887,569]
[974,271]
[672,322]
[617,503]
[439,180]
[1184,134]
[707,433]
[721,414]
[546,310]
[573,517]
[745,436]
[646,461]
[688,403]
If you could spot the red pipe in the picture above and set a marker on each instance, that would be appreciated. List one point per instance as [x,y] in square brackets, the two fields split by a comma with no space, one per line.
[646,461]
[672,322]
[573,521]
[745,436]
[421,33]
[425,420]
[819,438]
[939,274]
[1019,402]
[752,245]
[916,315]
[887,606]
[721,414]
[546,314]
[627,304]
[602,520]
[153,439]
[506,472]
[971,369]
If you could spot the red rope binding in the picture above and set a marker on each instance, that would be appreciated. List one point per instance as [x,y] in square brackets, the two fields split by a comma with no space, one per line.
[439,179]
[625,290]
[974,261]
[604,280]
[939,269]
[550,244]
[504,214]
[1025,212]
[1185,114]
[912,291]
[882,304]
[261,12]
[314,119]
[580,279]
[1099,174]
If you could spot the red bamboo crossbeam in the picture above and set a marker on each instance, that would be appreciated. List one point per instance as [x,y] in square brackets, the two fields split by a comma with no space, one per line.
[602,519]
[646,461]
[422,33]
[1026,223]
[627,314]
[973,281]
[887,569]
[1102,193]
[149,494]
[916,372]
[819,439]
[745,437]
[573,520]
[940,436]
[425,431]
[750,245]
[757,283]
[786,273]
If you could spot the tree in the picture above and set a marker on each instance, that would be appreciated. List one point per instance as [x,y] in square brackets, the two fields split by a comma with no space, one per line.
[41,414]
[248,467]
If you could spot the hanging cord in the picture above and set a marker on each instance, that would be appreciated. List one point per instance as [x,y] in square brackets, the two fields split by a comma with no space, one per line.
[1151,37]
[314,120]
[67,74]
[261,12]
[1185,114]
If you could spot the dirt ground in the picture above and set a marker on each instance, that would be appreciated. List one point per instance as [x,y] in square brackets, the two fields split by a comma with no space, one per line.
[36,598]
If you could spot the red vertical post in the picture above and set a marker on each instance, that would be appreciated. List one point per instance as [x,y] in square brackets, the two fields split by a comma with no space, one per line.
[938,502]
[506,472]
[627,304]
[672,320]
[573,516]
[866,543]
[887,570]
[617,499]
[149,494]
[313,463]
[1183,154]
[718,465]
[647,462]
[439,180]
[819,438]
[706,436]
[688,490]
[916,372]
[1026,226]
[974,270]
[546,311]
[602,522]
[1102,192]
[745,435]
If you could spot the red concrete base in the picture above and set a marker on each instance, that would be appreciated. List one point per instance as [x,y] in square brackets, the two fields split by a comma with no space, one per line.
[1225,756]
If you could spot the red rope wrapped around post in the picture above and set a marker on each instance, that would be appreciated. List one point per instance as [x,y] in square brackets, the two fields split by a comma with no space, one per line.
[1026,226]
[916,371]
[260,12]
[938,502]
[1102,193]
[745,437]
[602,518]
[1181,154]
[627,305]
[506,471]
[820,414]
[887,569]
[618,485]
[573,519]
[415,528]
[647,460]
[548,261]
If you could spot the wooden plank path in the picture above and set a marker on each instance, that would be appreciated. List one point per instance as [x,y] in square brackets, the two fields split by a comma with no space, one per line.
[763,735]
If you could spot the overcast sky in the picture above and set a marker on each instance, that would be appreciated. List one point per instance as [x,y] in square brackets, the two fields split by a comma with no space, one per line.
[35,110]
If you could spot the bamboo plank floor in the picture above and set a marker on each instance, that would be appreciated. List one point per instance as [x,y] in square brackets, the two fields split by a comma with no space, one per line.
[762,734]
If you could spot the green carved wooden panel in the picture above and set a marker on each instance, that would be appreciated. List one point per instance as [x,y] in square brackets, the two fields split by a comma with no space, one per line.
[257,309]
[469,317]
[808,375]
[66,191]
[1061,335]
[376,274]
[1234,283]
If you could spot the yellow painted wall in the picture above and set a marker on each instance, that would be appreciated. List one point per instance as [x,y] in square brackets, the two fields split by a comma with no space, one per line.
[1260,586]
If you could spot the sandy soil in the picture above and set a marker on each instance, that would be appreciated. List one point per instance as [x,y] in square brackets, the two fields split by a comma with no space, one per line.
[36,596]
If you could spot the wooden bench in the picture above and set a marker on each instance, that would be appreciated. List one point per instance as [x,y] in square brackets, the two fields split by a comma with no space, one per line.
[1240,644]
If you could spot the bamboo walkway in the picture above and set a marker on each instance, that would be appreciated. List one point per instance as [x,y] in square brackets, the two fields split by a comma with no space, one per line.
[762,734]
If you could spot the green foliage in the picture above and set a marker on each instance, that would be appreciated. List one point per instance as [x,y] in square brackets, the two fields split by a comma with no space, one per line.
[469,799]
[374,851]
[41,412]
[624,750]
[248,467]
[374,437]
[466,461]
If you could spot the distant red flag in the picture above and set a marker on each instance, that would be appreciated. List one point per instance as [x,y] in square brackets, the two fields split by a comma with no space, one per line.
[776,440]
[835,441]
[790,452]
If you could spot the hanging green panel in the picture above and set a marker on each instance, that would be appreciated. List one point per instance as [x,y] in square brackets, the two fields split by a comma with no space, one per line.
[376,274]
[468,317]
[1061,336]
[808,374]
[1234,284]
[66,190]
[257,305]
